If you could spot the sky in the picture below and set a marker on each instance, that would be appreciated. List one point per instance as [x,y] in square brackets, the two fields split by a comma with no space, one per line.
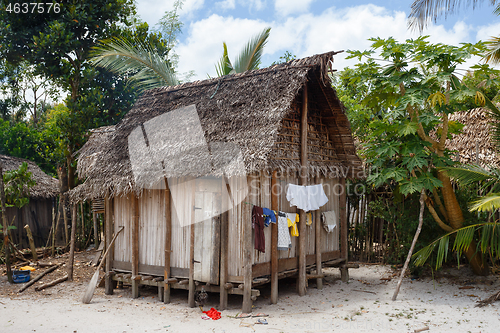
[304,27]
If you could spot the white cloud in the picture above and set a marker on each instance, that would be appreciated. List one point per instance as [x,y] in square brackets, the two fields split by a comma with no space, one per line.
[287,7]
[304,35]
[226,4]
[486,32]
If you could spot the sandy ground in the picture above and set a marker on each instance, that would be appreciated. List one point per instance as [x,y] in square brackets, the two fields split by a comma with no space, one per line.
[444,304]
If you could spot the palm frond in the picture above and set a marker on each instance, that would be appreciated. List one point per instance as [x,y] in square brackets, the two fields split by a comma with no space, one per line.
[138,61]
[425,11]
[493,55]
[488,203]
[490,241]
[224,66]
[469,173]
[249,58]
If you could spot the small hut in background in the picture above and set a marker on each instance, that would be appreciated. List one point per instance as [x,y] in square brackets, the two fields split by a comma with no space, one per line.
[186,208]
[38,212]
[474,145]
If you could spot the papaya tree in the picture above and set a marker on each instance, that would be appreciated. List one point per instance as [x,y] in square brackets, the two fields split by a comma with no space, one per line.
[412,88]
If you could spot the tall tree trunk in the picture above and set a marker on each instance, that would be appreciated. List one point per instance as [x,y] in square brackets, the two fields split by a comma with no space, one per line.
[456,220]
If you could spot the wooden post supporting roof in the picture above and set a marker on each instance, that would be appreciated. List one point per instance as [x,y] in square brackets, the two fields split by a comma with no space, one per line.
[317,225]
[344,274]
[247,257]
[224,245]
[135,246]
[108,223]
[274,239]
[192,286]
[302,279]
[168,243]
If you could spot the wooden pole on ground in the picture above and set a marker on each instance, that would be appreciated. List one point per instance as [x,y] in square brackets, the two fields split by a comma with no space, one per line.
[108,224]
[317,224]
[344,273]
[274,238]
[5,226]
[41,275]
[31,241]
[415,238]
[302,279]
[247,257]
[168,243]
[72,243]
[224,246]
[135,246]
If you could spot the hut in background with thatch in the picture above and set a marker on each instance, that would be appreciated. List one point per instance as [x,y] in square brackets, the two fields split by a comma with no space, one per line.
[38,212]
[474,144]
[184,168]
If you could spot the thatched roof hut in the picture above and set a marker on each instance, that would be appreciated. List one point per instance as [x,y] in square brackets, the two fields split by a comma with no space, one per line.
[474,144]
[189,166]
[46,186]
[38,212]
[231,109]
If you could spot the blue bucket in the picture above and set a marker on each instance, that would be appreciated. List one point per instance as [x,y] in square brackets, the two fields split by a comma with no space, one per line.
[21,276]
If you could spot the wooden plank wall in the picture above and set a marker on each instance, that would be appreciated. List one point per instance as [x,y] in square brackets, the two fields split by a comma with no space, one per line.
[152,227]
[123,217]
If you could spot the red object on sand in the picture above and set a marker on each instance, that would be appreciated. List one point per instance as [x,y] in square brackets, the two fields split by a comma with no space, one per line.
[212,313]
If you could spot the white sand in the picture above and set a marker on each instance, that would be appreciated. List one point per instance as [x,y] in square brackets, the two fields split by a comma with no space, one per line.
[339,307]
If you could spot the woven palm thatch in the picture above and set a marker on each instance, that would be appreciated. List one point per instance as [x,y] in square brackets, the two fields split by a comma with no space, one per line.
[251,117]
[46,186]
[474,145]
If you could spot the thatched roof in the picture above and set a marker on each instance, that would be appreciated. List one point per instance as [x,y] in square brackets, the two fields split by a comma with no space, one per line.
[241,118]
[474,145]
[46,186]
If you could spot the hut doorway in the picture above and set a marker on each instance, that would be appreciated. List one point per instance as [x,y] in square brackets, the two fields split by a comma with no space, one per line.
[207,208]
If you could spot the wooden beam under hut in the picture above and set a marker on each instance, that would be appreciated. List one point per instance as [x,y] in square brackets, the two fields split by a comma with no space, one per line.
[247,258]
[317,226]
[224,246]
[192,286]
[344,273]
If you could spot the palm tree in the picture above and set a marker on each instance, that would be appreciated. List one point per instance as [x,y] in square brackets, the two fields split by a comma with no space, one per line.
[423,11]
[248,59]
[136,60]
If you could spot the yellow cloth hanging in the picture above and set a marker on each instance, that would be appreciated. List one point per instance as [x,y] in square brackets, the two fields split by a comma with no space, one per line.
[292,222]
[309,220]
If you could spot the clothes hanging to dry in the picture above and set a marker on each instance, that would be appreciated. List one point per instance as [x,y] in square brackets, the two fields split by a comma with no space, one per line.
[307,198]
[329,220]
[284,241]
[258,226]
[269,216]
[293,219]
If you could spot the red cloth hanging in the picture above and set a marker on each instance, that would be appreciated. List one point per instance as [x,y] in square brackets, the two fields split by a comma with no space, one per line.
[258,225]
[212,313]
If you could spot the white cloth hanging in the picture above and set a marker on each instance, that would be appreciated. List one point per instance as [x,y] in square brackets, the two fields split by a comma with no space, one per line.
[329,220]
[307,198]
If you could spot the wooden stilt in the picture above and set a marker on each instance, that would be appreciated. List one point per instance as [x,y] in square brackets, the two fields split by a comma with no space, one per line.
[108,224]
[31,242]
[135,246]
[192,286]
[344,273]
[165,291]
[247,258]
[317,224]
[302,280]
[224,246]
[274,239]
